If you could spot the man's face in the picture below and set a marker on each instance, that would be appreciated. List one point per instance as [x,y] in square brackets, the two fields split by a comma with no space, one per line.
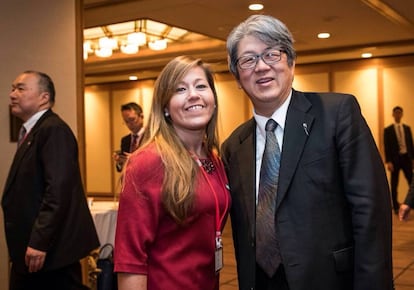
[133,121]
[397,114]
[26,98]
[267,86]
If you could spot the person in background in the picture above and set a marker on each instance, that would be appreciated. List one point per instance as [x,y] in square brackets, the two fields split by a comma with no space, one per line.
[134,119]
[317,216]
[399,153]
[174,201]
[46,217]
[408,204]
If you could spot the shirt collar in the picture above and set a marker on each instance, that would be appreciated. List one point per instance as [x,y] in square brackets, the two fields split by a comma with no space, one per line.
[279,116]
[29,124]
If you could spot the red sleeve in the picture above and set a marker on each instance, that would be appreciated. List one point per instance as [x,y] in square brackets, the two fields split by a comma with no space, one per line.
[139,212]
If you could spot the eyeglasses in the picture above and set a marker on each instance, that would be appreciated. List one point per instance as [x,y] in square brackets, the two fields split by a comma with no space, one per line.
[269,57]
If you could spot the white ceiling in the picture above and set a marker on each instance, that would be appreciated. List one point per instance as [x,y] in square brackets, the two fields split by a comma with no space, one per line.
[382,27]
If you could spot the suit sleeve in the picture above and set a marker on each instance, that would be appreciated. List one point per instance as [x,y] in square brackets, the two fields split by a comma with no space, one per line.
[366,190]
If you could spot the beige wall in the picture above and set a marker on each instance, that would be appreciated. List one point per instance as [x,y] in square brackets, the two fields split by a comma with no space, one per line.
[379,85]
[362,83]
[102,110]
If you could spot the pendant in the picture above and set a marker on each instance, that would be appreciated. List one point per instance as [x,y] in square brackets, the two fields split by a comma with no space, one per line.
[208,165]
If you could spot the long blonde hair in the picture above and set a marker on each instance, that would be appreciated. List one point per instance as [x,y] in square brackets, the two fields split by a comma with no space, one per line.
[180,168]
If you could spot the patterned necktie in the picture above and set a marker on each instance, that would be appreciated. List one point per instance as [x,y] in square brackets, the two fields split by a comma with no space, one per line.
[134,143]
[22,134]
[267,245]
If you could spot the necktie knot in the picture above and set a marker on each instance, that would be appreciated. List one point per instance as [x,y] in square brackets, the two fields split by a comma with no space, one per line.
[270,125]
[22,134]
[134,143]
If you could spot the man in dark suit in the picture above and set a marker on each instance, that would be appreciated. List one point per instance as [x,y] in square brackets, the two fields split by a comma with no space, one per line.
[134,119]
[408,203]
[399,153]
[47,221]
[331,209]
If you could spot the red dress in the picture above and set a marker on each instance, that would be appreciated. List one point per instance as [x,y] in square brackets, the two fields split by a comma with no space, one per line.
[148,241]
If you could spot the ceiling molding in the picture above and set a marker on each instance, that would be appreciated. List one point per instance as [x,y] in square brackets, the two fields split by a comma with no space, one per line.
[389,13]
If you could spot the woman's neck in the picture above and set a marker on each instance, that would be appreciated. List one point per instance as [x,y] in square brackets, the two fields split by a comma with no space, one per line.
[194,142]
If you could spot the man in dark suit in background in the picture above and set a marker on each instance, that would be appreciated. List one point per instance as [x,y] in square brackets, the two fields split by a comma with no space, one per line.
[408,203]
[134,119]
[331,204]
[48,224]
[399,153]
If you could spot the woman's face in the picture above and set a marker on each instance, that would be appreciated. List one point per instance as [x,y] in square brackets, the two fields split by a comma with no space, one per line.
[192,105]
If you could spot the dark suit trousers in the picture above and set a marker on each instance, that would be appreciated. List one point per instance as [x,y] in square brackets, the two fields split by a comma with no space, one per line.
[403,163]
[277,282]
[67,278]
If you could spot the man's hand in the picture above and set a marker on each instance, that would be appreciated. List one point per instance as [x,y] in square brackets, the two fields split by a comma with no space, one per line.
[404,212]
[119,157]
[34,259]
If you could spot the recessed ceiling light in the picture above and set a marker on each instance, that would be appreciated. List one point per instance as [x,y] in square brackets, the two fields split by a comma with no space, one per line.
[366,55]
[256,6]
[324,35]
[132,78]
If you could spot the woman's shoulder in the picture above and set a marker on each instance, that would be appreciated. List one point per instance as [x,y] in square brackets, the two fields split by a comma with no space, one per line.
[145,157]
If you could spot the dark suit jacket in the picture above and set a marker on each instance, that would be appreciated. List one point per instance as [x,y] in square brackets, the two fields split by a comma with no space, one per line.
[333,214]
[125,147]
[126,143]
[43,200]
[391,146]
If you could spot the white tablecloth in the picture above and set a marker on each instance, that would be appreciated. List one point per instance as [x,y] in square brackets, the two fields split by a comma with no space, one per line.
[104,214]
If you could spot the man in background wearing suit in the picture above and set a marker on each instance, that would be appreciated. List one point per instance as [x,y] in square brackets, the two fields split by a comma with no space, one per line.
[134,119]
[399,153]
[329,206]
[47,221]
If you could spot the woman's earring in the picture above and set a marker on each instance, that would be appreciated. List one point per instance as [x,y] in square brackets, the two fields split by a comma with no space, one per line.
[166,114]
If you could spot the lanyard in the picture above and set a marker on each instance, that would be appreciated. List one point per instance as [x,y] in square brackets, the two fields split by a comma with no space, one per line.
[219,220]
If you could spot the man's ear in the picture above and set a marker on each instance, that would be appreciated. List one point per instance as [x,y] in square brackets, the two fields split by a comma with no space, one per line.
[45,98]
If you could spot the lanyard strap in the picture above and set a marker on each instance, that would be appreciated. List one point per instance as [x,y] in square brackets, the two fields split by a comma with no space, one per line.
[219,219]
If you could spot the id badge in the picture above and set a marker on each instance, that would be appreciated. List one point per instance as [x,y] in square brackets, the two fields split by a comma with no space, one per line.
[218,254]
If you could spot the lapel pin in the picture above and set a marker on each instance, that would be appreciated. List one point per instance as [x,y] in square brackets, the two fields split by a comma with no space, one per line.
[305,128]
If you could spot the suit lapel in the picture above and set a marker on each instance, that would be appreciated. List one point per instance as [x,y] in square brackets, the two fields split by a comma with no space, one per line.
[246,160]
[21,151]
[298,126]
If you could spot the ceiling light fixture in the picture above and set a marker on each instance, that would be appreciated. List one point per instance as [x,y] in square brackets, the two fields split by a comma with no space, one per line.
[159,44]
[256,6]
[128,37]
[366,55]
[324,35]
[129,48]
[137,38]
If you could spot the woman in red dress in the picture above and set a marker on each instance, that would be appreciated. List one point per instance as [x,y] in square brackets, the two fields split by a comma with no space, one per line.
[175,197]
